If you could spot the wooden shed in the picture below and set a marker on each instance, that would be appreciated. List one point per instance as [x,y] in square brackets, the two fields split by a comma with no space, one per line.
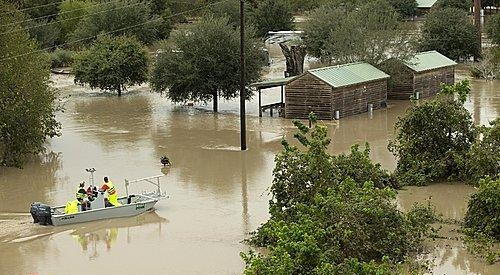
[349,89]
[422,76]
[424,6]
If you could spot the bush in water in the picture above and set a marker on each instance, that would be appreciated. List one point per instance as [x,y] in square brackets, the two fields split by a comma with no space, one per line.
[325,222]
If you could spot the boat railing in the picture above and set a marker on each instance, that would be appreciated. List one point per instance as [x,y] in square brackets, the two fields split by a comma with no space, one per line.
[154,180]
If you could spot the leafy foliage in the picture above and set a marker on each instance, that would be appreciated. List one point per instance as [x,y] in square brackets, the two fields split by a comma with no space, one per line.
[370,33]
[483,211]
[70,14]
[27,103]
[201,62]
[406,8]
[464,5]
[433,137]
[118,17]
[450,32]
[489,66]
[326,222]
[483,158]
[112,63]
[45,32]
[272,15]
[61,58]
[493,28]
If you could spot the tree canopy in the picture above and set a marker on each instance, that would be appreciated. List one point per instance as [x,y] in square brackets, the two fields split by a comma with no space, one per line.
[27,103]
[371,33]
[464,5]
[112,63]
[493,28]
[201,62]
[450,32]
[329,217]
[71,13]
[272,15]
[128,17]
[433,137]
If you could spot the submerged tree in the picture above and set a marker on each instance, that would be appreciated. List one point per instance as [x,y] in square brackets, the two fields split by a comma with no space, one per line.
[112,63]
[27,103]
[202,62]
[433,137]
[333,214]
[371,33]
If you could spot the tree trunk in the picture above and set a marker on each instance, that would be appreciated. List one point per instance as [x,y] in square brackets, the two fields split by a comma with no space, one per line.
[294,56]
[477,22]
[119,90]
[216,102]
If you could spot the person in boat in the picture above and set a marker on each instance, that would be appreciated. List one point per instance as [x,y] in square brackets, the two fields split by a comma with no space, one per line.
[80,192]
[110,189]
[72,206]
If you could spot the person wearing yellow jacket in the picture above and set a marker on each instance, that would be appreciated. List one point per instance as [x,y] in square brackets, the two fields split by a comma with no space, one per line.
[109,187]
[72,206]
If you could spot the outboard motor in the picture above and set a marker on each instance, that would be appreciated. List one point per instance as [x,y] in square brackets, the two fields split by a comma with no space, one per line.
[44,215]
[34,210]
[41,213]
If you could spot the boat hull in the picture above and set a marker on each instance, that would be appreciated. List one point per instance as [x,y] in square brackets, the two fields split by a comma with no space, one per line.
[126,210]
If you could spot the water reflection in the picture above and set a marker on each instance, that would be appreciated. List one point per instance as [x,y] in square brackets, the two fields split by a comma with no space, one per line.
[94,237]
[35,181]
[112,120]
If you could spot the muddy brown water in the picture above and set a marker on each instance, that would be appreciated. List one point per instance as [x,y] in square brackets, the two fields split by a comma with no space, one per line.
[217,194]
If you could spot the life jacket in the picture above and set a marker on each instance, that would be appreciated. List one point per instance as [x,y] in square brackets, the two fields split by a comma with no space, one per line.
[81,193]
[111,188]
[71,207]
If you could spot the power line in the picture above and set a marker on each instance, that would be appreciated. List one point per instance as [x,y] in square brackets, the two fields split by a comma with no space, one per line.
[110,32]
[83,16]
[36,7]
[59,13]
[64,12]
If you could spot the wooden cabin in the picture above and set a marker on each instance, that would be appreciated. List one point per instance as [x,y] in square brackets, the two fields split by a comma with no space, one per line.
[421,76]
[341,90]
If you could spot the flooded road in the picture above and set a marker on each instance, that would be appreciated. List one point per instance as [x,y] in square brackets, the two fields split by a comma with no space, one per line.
[217,194]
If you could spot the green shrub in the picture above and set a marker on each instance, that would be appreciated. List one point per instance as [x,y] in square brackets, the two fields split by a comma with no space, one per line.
[325,222]
[483,158]
[483,211]
[433,137]
[61,58]
[493,28]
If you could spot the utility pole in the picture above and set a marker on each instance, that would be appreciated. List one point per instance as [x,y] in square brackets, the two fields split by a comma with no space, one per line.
[242,78]
[477,22]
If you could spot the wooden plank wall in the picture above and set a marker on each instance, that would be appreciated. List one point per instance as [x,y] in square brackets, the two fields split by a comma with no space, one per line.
[308,94]
[429,83]
[352,100]
[402,88]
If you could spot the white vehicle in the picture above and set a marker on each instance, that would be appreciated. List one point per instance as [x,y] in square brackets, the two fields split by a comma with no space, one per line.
[131,205]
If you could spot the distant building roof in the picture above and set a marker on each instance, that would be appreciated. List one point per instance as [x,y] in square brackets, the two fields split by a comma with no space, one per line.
[425,4]
[348,74]
[271,83]
[426,61]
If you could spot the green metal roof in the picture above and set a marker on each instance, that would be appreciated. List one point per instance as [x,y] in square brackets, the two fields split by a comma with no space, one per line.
[425,4]
[425,61]
[348,74]
[272,83]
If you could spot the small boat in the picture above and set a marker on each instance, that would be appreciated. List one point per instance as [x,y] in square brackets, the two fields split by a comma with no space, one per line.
[131,205]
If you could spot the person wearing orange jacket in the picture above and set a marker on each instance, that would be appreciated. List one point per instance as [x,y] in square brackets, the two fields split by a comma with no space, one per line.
[109,187]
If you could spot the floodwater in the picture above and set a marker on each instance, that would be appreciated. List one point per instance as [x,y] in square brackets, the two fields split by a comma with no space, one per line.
[217,193]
